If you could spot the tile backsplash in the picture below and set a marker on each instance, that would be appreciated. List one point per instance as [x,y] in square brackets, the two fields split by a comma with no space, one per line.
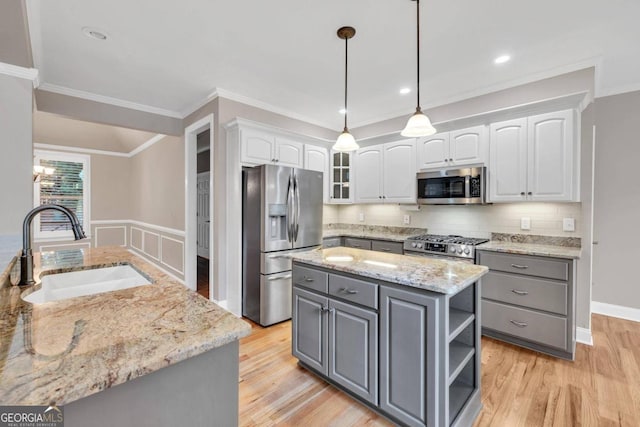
[470,221]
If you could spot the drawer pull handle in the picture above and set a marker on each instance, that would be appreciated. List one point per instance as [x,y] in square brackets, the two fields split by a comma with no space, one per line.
[308,279]
[385,249]
[518,292]
[349,291]
[519,266]
[324,309]
[519,324]
[357,246]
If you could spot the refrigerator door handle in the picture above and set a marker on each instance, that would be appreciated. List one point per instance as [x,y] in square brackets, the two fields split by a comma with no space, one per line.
[297,208]
[290,210]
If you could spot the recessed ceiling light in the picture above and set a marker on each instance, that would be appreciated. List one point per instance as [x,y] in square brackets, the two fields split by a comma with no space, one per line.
[94,33]
[501,59]
[405,90]
[342,111]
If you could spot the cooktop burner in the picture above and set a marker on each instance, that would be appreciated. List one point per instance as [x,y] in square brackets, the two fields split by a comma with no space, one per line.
[451,245]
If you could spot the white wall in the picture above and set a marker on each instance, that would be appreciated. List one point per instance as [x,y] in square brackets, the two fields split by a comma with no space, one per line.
[472,221]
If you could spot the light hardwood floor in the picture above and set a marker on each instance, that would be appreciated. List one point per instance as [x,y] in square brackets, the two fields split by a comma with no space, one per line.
[519,387]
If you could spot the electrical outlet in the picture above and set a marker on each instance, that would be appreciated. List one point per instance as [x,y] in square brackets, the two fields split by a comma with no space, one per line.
[406,219]
[568,224]
[361,217]
[525,223]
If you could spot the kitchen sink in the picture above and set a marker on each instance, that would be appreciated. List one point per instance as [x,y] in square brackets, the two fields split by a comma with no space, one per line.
[62,286]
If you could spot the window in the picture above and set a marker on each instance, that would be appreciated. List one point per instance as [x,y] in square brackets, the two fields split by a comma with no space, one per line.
[69,186]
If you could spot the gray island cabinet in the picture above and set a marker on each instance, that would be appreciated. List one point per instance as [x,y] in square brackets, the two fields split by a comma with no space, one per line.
[410,353]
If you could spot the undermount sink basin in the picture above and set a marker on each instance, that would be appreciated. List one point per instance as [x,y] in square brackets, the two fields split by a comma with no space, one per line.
[61,286]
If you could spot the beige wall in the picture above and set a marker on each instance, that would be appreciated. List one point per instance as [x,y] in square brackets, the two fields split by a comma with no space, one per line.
[53,129]
[16,187]
[111,185]
[617,201]
[157,184]
[15,47]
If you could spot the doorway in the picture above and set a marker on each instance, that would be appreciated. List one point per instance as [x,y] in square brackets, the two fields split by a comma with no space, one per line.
[200,258]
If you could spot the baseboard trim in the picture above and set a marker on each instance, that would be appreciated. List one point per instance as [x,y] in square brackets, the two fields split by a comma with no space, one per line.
[583,336]
[619,311]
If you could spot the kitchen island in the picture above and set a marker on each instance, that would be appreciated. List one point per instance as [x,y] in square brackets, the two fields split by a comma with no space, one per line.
[400,334]
[157,354]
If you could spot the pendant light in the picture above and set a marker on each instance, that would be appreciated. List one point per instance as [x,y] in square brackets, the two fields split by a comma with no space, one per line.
[418,124]
[346,141]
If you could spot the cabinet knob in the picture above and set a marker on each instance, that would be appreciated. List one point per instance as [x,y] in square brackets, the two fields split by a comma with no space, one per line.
[451,160]
[379,197]
[529,193]
[522,193]
[384,197]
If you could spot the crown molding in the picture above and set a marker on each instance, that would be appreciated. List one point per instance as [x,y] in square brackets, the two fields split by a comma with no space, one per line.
[130,154]
[62,90]
[20,72]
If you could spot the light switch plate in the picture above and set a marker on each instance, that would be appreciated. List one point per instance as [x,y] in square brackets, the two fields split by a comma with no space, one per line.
[568,224]
[525,223]
[406,219]
[361,216]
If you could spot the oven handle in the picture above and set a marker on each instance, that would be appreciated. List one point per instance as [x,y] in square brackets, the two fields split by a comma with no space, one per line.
[467,186]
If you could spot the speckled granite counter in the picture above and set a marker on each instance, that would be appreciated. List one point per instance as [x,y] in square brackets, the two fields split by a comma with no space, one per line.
[374,232]
[432,274]
[527,244]
[65,350]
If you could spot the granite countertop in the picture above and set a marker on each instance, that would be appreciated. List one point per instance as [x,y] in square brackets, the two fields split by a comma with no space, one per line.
[531,249]
[375,232]
[432,274]
[62,351]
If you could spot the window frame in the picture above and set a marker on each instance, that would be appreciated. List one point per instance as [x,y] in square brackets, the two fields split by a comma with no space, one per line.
[60,235]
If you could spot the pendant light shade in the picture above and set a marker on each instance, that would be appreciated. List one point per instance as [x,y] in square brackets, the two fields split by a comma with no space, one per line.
[346,141]
[418,124]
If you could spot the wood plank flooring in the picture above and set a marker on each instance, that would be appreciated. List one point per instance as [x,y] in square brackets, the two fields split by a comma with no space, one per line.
[203,277]
[519,387]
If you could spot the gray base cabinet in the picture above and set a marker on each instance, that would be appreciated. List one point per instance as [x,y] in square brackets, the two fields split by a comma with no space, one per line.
[412,355]
[368,244]
[530,301]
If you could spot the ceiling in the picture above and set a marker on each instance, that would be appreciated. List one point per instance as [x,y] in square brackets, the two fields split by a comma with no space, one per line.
[284,53]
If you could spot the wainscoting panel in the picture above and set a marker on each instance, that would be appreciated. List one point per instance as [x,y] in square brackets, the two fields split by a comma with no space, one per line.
[110,236]
[136,238]
[172,254]
[51,246]
[151,245]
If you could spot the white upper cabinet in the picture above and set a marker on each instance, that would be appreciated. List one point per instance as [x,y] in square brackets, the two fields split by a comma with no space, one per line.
[368,174]
[456,148]
[261,147]
[508,165]
[399,176]
[289,152]
[257,147]
[534,159]
[433,151]
[317,159]
[551,157]
[386,173]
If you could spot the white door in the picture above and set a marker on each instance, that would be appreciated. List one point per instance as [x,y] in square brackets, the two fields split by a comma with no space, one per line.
[399,173]
[204,217]
[550,157]
[468,146]
[258,148]
[508,164]
[289,152]
[368,170]
[433,151]
[317,159]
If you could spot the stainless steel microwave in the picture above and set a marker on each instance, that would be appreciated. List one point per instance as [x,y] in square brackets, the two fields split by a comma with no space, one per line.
[459,186]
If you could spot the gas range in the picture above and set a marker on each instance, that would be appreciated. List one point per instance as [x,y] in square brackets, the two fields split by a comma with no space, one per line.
[449,246]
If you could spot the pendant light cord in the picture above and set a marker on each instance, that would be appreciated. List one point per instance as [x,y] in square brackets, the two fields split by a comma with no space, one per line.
[418,52]
[346,65]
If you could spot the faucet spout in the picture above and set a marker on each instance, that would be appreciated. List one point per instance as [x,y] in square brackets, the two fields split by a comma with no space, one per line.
[26,259]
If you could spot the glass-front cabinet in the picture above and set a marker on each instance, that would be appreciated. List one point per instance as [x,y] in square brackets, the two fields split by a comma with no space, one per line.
[341,187]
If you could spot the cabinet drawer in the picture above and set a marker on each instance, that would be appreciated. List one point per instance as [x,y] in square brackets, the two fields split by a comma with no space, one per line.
[354,290]
[391,247]
[529,325]
[331,242]
[524,264]
[353,242]
[530,292]
[310,278]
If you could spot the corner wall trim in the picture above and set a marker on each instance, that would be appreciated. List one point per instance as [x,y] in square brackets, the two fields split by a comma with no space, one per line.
[619,311]
[20,72]
[583,336]
[146,145]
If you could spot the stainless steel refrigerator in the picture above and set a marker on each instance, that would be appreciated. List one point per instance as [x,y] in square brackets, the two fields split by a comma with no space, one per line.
[281,214]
